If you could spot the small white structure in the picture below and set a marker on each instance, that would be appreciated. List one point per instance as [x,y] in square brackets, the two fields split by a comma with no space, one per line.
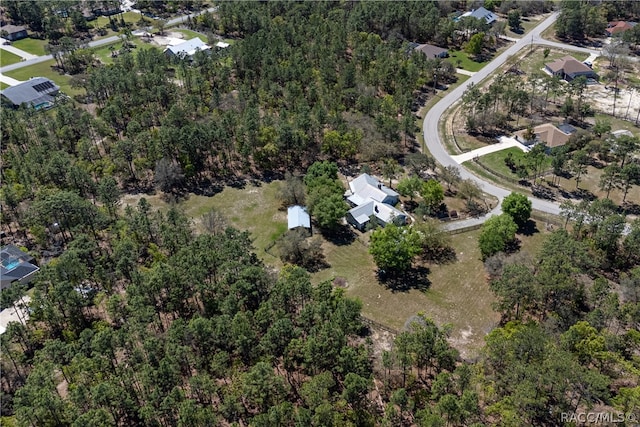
[222,45]
[187,49]
[297,216]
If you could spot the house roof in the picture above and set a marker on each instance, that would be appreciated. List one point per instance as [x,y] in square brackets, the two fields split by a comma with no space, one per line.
[222,45]
[188,48]
[430,50]
[616,27]
[551,135]
[382,211]
[35,91]
[367,187]
[12,29]
[297,216]
[568,65]
[15,265]
[621,132]
[481,13]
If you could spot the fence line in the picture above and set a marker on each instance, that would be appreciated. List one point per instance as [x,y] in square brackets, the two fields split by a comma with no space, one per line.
[378,325]
[463,229]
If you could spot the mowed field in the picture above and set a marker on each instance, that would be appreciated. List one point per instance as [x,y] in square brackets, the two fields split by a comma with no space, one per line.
[456,293]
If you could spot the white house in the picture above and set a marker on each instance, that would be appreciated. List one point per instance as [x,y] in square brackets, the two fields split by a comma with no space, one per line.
[369,197]
[186,49]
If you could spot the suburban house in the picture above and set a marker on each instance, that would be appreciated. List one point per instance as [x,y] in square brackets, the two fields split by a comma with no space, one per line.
[549,134]
[618,27]
[186,49]
[37,92]
[15,266]
[297,216]
[569,68]
[432,51]
[13,32]
[480,13]
[370,198]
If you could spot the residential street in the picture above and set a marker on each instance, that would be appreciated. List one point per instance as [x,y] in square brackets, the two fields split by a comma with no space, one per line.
[436,146]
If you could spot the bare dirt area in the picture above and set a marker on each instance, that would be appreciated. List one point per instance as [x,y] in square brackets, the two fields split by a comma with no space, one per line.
[602,97]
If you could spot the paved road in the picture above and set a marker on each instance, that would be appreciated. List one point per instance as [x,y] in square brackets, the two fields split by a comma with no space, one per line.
[430,125]
[97,43]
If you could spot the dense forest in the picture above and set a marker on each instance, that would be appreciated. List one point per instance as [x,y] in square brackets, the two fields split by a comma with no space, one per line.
[137,320]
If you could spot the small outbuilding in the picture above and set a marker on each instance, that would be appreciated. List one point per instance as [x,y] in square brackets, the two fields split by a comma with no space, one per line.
[297,216]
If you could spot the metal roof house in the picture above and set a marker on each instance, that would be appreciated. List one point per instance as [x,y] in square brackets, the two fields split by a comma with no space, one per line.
[297,216]
[368,196]
[37,92]
[15,266]
[480,13]
[186,49]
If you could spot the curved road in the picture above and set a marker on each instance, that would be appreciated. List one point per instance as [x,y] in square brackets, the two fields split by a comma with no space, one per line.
[436,146]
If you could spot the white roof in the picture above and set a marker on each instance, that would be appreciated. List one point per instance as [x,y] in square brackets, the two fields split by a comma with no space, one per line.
[367,187]
[222,44]
[383,211]
[481,13]
[297,216]
[188,48]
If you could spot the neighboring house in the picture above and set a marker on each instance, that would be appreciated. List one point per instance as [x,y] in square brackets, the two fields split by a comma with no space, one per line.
[480,13]
[297,216]
[37,92]
[13,32]
[15,266]
[369,197]
[432,51]
[186,49]
[549,134]
[618,27]
[569,68]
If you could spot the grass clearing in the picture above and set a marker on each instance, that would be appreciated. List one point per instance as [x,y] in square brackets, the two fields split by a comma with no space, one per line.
[253,208]
[8,58]
[458,294]
[495,161]
[3,86]
[534,60]
[461,59]
[188,34]
[103,53]
[590,180]
[527,24]
[43,69]
[33,46]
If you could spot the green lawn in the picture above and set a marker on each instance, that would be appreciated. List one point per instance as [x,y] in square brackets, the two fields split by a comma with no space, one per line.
[3,85]
[252,208]
[535,60]
[8,58]
[466,63]
[188,34]
[103,53]
[496,161]
[43,69]
[33,46]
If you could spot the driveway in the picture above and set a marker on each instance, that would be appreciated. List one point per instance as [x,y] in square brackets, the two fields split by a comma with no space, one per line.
[505,142]
[430,125]
[9,80]
[21,53]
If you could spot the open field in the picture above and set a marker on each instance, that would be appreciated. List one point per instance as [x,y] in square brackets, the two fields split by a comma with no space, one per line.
[103,53]
[458,293]
[252,208]
[43,69]
[8,58]
[590,181]
[33,46]
[465,62]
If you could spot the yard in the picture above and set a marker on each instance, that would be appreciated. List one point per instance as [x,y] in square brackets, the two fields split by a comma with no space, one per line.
[33,46]
[534,61]
[103,53]
[43,69]
[461,59]
[188,34]
[527,23]
[8,58]
[458,293]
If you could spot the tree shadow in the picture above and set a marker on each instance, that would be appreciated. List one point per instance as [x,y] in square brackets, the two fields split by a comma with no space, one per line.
[341,236]
[630,208]
[513,246]
[413,278]
[529,228]
[446,255]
